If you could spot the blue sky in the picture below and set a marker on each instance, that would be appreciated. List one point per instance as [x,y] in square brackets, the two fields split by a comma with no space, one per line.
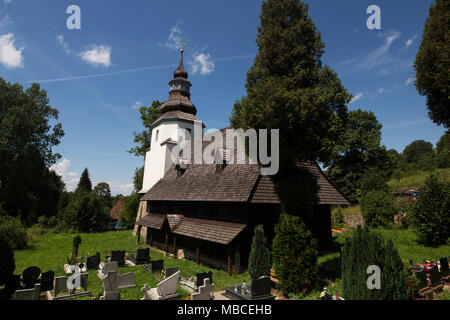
[125,54]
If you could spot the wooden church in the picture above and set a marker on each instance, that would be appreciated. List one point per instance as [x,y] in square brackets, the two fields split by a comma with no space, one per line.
[207,212]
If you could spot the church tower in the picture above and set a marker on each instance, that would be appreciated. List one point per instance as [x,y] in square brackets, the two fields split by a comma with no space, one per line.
[178,113]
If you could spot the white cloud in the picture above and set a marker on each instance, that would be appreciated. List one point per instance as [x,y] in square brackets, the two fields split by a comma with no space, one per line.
[136,105]
[377,57]
[63,44]
[410,40]
[174,41]
[357,97]
[119,188]
[70,178]
[5,21]
[409,81]
[7,1]
[10,56]
[202,64]
[97,55]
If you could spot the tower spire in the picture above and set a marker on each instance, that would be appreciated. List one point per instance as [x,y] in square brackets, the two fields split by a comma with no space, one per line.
[179,94]
[180,72]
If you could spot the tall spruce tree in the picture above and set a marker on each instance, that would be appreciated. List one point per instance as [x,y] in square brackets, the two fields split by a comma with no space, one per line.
[366,249]
[85,183]
[289,89]
[260,261]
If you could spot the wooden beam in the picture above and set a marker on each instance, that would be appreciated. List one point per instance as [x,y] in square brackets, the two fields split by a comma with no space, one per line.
[139,234]
[197,259]
[175,246]
[167,243]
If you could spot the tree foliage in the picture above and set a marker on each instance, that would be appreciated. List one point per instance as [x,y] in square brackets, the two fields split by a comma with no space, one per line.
[7,263]
[289,89]
[14,231]
[443,151]
[417,151]
[129,212]
[432,63]
[378,208]
[103,191]
[84,213]
[359,154]
[366,249]
[294,253]
[85,184]
[143,139]
[430,214]
[138,179]
[28,133]
[260,261]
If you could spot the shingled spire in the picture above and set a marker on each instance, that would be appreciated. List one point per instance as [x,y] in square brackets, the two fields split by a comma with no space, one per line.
[179,94]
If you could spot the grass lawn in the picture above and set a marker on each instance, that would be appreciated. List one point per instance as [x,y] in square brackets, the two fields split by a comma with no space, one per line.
[51,251]
[418,179]
[353,209]
[406,242]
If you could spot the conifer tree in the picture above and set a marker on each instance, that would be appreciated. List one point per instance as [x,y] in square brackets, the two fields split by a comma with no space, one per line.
[85,183]
[259,262]
[289,89]
[294,252]
[366,249]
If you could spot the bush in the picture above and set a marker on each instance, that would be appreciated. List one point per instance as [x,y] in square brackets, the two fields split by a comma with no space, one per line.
[131,207]
[294,252]
[378,209]
[338,217]
[14,231]
[373,180]
[84,213]
[7,263]
[259,262]
[363,250]
[430,215]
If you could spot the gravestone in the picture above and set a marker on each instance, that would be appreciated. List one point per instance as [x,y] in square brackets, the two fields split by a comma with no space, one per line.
[118,256]
[154,266]
[126,280]
[30,276]
[170,271]
[61,286]
[28,294]
[165,290]
[204,290]
[93,262]
[106,267]
[113,282]
[261,287]
[202,276]
[47,279]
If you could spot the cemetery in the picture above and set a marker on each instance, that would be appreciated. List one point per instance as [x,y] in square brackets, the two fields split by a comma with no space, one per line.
[174,278]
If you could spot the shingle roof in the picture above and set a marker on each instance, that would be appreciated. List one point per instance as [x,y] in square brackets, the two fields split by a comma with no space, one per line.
[152,220]
[230,182]
[209,230]
[118,207]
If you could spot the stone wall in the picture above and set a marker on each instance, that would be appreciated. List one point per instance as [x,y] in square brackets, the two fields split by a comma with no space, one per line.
[353,220]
